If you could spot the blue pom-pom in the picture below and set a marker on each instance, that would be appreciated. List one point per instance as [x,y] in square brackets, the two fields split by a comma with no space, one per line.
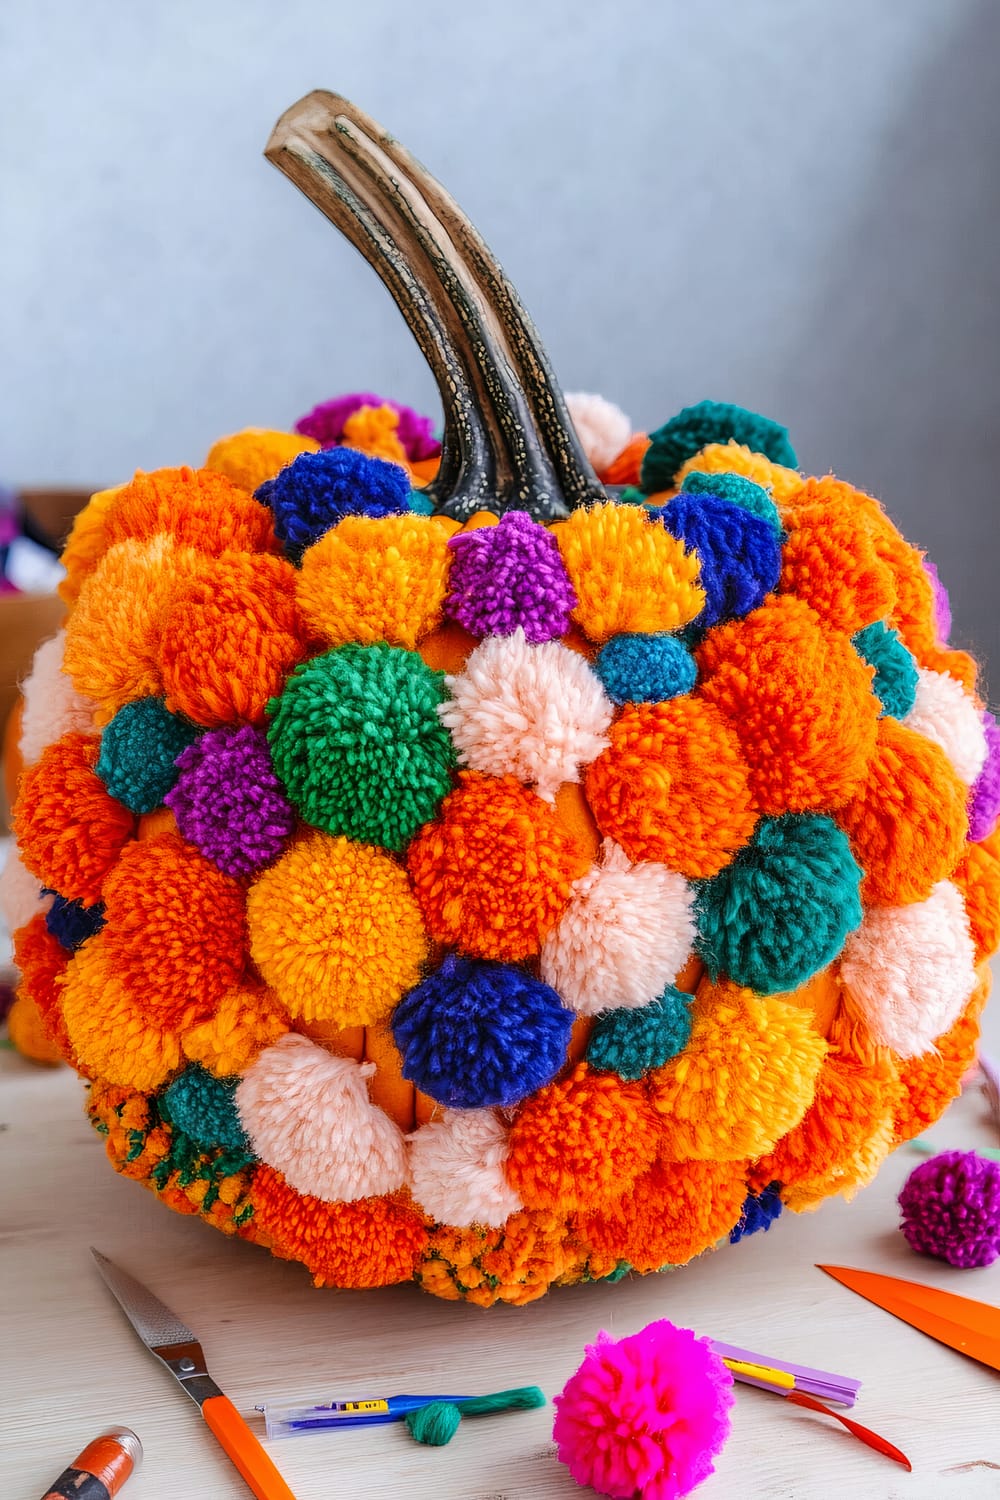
[316,490]
[759,1212]
[645,668]
[738,489]
[782,909]
[710,422]
[630,1041]
[477,1033]
[138,750]
[740,553]
[203,1108]
[895,681]
[72,924]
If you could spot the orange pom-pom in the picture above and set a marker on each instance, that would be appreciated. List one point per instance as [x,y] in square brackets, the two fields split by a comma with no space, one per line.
[374,430]
[86,543]
[978,878]
[671,1213]
[28,1033]
[673,786]
[109,1030]
[737,458]
[625,469]
[69,831]
[230,639]
[245,1021]
[203,509]
[372,1242]
[800,700]
[41,960]
[830,561]
[256,454]
[907,821]
[930,1082]
[629,573]
[580,1141]
[516,1264]
[113,635]
[376,578]
[175,929]
[493,873]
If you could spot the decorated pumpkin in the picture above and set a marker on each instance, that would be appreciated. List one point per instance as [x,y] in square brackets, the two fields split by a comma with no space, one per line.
[507,862]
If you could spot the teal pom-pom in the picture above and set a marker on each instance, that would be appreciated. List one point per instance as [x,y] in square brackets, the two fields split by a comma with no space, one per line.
[629,1041]
[895,681]
[645,668]
[420,503]
[203,1108]
[358,743]
[710,422]
[781,911]
[138,751]
[737,489]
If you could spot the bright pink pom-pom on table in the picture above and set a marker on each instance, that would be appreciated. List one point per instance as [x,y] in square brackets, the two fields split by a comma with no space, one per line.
[645,1415]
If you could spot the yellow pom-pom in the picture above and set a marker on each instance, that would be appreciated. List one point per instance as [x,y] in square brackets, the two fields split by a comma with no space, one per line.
[630,575]
[108,1030]
[87,543]
[374,430]
[256,454]
[335,931]
[376,578]
[244,1023]
[737,458]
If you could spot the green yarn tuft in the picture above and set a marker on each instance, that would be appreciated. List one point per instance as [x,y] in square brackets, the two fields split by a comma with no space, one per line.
[436,1423]
[709,422]
[138,750]
[781,911]
[203,1107]
[630,1041]
[737,489]
[895,681]
[358,743]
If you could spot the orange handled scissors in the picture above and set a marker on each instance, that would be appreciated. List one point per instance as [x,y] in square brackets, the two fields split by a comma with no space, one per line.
[176,1346]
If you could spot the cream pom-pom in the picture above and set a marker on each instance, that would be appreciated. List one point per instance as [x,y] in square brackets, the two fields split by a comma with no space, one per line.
[910,970]
[602,427]
[20,894]
[626,935]
[535,712]
[457,1169]
[52,705]
[944,713]
[308,1114]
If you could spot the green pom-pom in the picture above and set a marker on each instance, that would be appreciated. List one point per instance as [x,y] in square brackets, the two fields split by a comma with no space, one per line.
[710,422]
[895,681]
[138,750]
[358,743]
[781,911]
[203,1107]
[738,489]
[630,1041]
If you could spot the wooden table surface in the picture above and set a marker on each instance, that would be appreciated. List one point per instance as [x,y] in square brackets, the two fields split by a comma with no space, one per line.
[70,1364]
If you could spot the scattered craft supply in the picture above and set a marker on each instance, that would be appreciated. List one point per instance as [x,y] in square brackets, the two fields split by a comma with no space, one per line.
[645,1415]
[951,1208]
[762,1370]
[101,1470]
[176,1346]
[991,1085]
[970,1327]
[924,1147]
[433,1420]
[863,1434]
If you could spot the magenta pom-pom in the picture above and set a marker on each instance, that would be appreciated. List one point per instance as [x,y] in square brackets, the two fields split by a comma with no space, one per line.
[645,1415]
[951,1208]
[984,803]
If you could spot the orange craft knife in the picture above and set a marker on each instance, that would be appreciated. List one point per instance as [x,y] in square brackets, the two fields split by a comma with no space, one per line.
[177,1347]
[973,1328]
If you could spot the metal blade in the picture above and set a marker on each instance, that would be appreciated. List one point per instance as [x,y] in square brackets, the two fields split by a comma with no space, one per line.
[955,1321]
[152,1320]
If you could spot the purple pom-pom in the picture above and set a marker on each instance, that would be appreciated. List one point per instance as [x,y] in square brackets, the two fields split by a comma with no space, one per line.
[984,804]
[509,575]
[326,422]
[942,604]
[229,803]
[951,1208]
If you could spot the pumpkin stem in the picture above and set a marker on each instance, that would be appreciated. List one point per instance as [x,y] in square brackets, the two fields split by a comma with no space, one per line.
[508,440]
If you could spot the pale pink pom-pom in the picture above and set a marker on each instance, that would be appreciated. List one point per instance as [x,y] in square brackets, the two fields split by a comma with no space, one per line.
[645,1415]
[602,427]
[52,705]
[535,712]
[910,970]
[944,713]
[626,934]
[308,1114]
[457,1169]
[20,894]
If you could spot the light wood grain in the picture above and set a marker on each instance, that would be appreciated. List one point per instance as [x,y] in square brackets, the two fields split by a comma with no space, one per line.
[70,1365]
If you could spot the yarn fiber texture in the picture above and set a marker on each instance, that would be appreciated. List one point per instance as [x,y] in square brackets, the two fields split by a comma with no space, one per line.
[951,1208]
[499,905]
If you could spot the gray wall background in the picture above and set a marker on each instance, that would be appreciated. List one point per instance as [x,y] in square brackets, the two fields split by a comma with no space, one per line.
[792,204]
